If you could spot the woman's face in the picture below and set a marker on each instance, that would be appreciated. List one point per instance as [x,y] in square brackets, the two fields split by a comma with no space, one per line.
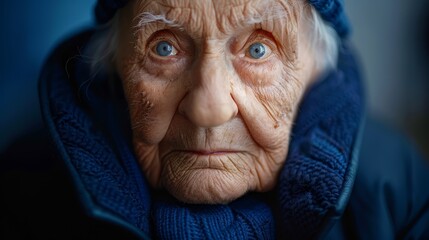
[212,87]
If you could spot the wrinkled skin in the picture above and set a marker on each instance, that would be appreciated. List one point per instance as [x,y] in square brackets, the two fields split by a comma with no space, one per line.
[210,122]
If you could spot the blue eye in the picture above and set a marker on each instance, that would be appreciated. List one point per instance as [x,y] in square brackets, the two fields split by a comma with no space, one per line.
[257,50]
[164,49]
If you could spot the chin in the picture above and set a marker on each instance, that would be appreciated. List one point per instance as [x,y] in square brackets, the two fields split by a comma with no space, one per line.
[206,186]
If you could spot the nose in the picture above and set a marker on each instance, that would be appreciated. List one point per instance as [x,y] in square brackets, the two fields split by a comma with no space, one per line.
[209,102]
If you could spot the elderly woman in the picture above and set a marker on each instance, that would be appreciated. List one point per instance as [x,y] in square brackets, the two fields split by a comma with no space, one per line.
[224,120]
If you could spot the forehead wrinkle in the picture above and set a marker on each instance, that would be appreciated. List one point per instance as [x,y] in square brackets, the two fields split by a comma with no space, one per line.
[156,11]
[177,4]
[177,16]
[194,18]
[266,13]
[248,15]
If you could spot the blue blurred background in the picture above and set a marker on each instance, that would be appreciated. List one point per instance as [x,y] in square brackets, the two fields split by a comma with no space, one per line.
[31,29]
[392,37]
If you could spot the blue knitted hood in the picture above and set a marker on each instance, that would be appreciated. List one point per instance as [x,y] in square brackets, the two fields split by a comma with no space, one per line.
[89,126]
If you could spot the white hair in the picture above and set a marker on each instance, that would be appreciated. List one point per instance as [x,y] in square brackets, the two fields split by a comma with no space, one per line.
[324,41]
[147,17]
[102,47]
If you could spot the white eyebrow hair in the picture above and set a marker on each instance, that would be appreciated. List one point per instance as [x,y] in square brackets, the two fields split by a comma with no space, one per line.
[272,12]
[147,17]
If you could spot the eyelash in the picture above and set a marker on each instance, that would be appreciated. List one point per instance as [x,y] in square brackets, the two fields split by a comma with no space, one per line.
[263,37]
[258,36]
[267,52]
[160,36]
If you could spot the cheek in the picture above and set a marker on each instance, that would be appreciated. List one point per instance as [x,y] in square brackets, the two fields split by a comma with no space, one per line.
[272,86]
[257,75]
[152,103]
[267,101]
[268,110]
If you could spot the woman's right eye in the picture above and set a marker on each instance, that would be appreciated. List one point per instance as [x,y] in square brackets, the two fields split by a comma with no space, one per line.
[165,49]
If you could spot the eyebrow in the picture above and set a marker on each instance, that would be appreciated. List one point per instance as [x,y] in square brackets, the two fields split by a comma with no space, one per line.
[147,17]
[272,12]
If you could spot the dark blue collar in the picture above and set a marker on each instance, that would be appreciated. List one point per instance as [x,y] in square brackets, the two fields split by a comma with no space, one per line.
[313,188]
[318,175]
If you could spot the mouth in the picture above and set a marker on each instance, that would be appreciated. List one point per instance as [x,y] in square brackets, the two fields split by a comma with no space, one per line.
[210,152]
[225,160]
[204,159]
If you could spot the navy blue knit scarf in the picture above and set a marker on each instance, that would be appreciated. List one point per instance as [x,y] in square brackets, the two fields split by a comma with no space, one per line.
[90,128]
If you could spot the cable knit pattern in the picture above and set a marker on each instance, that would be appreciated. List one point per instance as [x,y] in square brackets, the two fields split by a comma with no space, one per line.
[320,150]
[109,181]
[246,218]
[332,11]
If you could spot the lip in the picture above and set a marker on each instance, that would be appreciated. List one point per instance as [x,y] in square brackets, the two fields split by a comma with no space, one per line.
[210,152]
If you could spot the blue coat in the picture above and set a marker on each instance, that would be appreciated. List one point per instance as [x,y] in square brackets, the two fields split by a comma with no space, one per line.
[345,177]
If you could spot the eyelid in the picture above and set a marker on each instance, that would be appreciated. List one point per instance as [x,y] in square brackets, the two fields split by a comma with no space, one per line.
[262,37]
[268,51]
[260,34]
[163,35]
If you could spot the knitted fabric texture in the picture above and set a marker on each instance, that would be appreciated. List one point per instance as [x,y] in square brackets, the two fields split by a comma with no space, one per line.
[103,166]
[331,11]
[95,144]
[321,150]
[249,217]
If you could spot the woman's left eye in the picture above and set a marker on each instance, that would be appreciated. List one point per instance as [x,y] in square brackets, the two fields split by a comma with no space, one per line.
[165,49]
[257,50]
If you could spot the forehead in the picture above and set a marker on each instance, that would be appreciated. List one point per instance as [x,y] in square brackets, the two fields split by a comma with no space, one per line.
[219,15]
[210,6]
